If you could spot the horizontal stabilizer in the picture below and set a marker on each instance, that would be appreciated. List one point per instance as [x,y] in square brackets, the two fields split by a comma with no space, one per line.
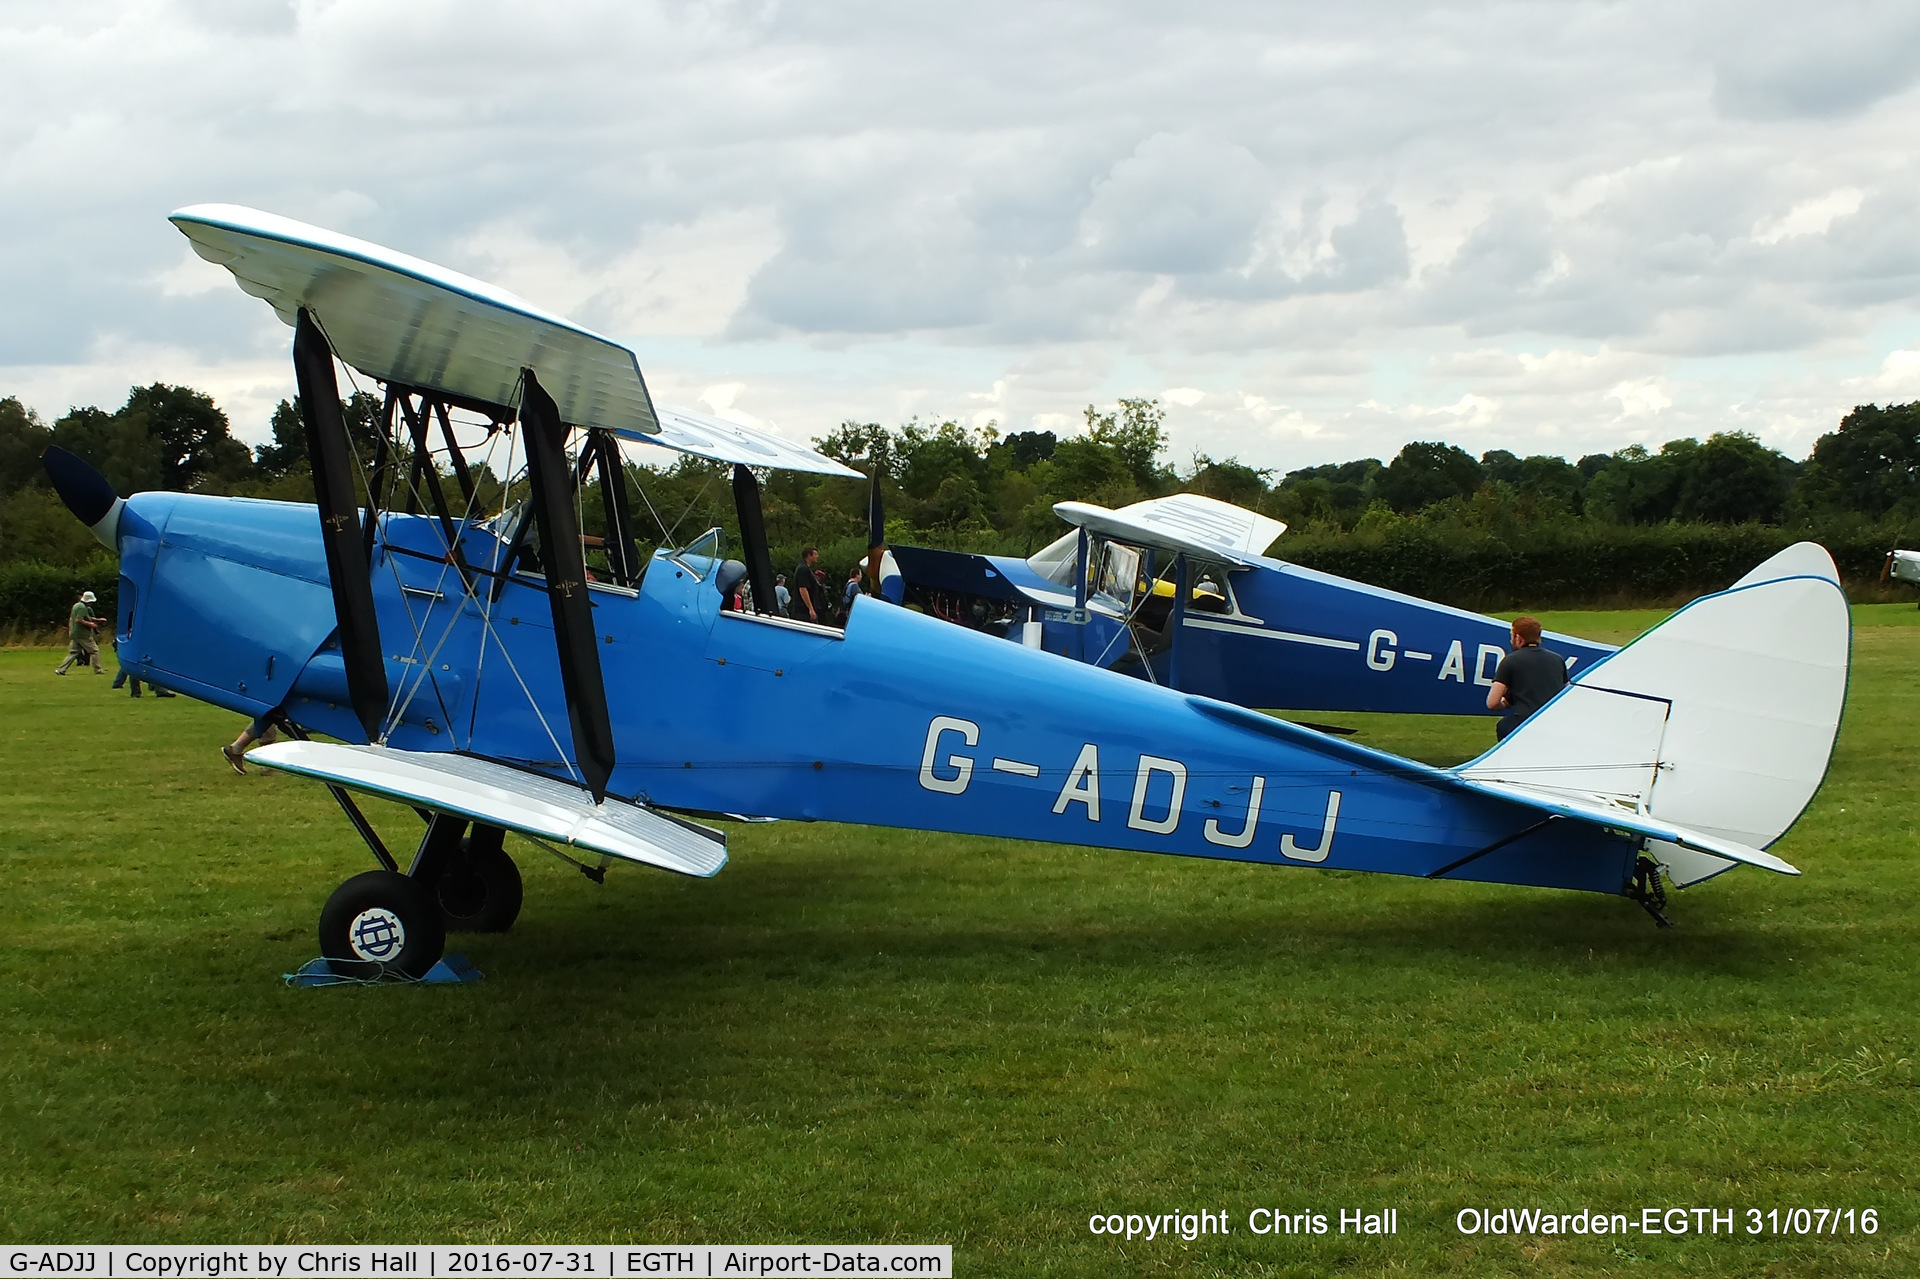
[1599,812]
[528,803]
[1719,722]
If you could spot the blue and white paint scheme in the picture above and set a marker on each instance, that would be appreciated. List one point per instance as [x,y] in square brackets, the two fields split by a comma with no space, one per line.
[1698,745]
[1276,635]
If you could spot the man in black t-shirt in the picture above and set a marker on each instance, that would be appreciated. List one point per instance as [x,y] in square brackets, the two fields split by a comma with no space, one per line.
[1527,678]
[809,601]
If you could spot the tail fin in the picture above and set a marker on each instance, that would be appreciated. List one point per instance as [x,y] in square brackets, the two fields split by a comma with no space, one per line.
[1721,720]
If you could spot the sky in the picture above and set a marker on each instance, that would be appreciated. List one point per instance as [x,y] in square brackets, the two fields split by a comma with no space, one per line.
[1314,232]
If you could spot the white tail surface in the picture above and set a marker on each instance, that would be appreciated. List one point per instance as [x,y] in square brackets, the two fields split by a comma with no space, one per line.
[1720,720]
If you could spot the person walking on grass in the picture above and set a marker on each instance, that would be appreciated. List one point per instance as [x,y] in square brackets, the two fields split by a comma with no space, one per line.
[1526,679]
[126,676]
[82,646]
[260,730]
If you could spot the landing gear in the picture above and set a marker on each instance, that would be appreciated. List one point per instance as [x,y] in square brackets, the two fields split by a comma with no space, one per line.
[386,922]
[1647,889]
[479,889]
[382,922]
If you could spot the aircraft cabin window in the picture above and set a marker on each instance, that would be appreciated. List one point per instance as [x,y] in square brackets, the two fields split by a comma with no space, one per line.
[1119,572]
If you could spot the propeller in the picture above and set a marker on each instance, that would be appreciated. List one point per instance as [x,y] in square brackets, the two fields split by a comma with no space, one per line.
[87,493]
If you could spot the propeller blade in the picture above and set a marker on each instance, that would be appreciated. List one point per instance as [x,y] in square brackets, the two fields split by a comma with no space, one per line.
[550,483]
[331,455]
[90,496]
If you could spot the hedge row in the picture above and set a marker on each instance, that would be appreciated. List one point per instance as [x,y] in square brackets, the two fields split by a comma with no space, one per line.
[1580,565]
[39,596]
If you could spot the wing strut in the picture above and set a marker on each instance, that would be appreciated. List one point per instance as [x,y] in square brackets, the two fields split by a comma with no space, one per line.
[622,555]
[550,485]
[753,537]
[876,529]
[340,530]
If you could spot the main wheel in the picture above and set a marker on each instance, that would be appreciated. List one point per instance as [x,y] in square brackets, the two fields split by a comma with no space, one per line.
[480,891]
[382,921]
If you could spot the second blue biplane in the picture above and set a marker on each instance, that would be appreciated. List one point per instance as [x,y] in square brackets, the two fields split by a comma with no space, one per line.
[465,663]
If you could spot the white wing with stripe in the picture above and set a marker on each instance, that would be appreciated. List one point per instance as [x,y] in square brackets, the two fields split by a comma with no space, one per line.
[398,318]
[482,791]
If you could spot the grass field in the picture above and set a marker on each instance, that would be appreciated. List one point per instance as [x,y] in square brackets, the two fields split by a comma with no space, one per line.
[859,1035]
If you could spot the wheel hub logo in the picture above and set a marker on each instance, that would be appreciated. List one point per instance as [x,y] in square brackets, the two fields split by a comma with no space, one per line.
[376,934]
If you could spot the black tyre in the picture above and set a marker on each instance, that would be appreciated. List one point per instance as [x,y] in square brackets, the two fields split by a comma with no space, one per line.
[382,922]
[480,891]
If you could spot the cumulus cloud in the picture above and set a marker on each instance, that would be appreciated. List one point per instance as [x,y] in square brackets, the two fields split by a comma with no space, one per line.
[1316,232]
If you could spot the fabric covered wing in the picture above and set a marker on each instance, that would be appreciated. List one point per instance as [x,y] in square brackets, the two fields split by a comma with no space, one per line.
[719,440]
[400,319]
[1188,522]
[483,791]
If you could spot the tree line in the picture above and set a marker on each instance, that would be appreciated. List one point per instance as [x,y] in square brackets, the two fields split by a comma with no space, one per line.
[1434,520]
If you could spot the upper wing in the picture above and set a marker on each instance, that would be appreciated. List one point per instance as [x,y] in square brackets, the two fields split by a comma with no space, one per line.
[704,435]
[399,319]
[1185,522]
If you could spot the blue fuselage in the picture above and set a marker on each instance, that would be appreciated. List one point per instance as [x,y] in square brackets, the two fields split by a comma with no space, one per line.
[1297,639]
[899,720]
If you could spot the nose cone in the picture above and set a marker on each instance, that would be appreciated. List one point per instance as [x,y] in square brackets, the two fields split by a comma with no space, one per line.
[86,493]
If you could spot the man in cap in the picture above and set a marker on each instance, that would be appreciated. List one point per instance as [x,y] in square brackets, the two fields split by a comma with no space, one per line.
[81,644]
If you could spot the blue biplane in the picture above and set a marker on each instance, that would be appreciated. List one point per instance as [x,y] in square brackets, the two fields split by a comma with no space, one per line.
[466,663]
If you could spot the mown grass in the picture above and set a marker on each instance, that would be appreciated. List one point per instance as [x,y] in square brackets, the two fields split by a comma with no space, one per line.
[857,1035]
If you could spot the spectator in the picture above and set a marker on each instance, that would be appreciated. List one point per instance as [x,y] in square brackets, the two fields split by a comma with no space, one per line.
[852,589]
[1527,678]
[82,646]
[782,597]
[809,601]
[261,730]
[126,675]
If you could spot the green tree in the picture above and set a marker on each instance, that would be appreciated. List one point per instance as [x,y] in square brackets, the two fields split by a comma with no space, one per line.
[1022,449]
[1871,465]
[1732,479]
[117,445]
[1135,434]
[23,438]
[196,446]
[1638,487]
[288,451]
[1426,472]
[1501,467]
[1228,481]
